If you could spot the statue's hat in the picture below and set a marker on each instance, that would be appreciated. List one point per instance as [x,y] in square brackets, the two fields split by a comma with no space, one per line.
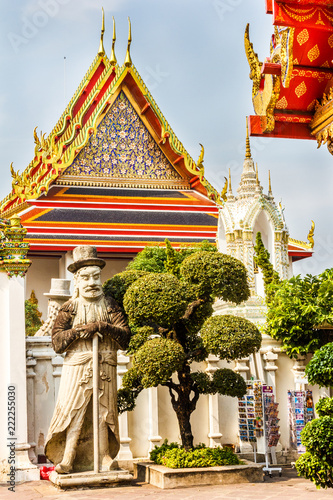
[85,255]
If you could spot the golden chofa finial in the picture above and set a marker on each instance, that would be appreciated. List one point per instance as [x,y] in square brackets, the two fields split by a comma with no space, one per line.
[311,233]
[113,59]
[101,51]
[128,60]
[247,146]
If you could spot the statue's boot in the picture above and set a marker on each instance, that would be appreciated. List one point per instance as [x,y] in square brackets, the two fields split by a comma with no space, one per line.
[106,462]
[72,437]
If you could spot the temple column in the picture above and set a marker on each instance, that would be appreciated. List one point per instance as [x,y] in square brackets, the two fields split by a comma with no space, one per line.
[124,451]
[270,356]
[298,370]
[13,376]
[154,437]
[31,404]
[214,433]
[64,262]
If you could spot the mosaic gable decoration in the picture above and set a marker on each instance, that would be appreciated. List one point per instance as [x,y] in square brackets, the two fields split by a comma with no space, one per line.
[122,148]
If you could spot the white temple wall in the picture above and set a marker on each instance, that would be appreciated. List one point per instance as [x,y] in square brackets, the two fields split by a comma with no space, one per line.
[221,237]
[44,368]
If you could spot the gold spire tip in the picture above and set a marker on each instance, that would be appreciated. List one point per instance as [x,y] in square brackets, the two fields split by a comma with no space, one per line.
[230,188]
[257,175]
[247,144]
[101,51]
[113,59]
[269,183]
[128,60]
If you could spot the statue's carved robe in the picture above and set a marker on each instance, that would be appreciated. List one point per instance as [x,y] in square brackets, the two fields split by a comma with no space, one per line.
[75,390]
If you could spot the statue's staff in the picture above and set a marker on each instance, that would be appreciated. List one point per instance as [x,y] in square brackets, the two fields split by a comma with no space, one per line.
[95,400]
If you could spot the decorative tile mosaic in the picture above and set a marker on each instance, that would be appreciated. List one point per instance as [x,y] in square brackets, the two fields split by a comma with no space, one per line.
[122,148]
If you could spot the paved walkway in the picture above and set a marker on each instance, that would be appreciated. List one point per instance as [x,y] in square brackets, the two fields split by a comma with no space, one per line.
[287,487]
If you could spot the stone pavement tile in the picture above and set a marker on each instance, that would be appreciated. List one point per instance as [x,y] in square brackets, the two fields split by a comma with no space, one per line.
[287,487]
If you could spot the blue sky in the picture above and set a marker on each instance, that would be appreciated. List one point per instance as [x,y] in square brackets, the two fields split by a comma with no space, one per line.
[191,55]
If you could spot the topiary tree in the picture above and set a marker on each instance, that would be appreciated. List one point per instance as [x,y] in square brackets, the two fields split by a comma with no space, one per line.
[172,326]
[317,436]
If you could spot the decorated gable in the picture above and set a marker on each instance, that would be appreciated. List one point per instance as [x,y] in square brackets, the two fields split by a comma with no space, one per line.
[123,150]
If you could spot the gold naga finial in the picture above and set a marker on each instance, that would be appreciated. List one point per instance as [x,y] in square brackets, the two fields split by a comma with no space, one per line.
[253,60]
[224,190]
[247,147]
[113,59]
[200,160]
[101,51]
[310,235]
[128,60]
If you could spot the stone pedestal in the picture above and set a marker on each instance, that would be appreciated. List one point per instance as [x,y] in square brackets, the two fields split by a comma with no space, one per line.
[90,479]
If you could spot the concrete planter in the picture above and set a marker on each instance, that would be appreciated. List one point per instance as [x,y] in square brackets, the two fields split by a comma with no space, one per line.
[166,478]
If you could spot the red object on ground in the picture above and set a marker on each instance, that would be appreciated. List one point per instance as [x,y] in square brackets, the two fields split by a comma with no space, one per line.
[45,472]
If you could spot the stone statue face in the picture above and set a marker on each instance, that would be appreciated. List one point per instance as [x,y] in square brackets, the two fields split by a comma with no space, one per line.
[89,282]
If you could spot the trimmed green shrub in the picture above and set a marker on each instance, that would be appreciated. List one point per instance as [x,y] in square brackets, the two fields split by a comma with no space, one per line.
[116,287]
[158,298]
[226,381]
[158,452]
[216,274]
[140,335]
[230,337]
[176,457]
[156,361]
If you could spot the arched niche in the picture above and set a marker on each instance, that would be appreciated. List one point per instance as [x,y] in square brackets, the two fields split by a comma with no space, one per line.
[221,237]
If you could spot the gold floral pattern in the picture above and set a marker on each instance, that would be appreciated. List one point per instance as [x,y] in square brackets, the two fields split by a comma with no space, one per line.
[303,36]
[282,103]
[122,148]
[330,41]
[313,53]
[300,89]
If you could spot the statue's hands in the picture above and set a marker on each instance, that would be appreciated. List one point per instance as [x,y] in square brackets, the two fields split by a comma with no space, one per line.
[88,331]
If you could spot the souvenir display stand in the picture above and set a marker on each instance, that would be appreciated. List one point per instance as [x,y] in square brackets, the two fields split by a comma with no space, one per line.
[258,422]
[300,408]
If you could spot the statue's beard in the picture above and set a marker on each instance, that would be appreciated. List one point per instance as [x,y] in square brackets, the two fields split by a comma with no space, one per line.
[90,312]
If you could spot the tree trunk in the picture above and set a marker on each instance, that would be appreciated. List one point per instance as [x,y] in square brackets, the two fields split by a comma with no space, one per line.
[184,405]
[185,429]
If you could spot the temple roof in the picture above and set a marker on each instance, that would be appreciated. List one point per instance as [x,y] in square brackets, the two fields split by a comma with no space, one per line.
[112,133]
[298,72]
[112,172]
[118,219]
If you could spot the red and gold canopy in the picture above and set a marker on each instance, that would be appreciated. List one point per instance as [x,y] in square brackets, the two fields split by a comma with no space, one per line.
[289,84]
